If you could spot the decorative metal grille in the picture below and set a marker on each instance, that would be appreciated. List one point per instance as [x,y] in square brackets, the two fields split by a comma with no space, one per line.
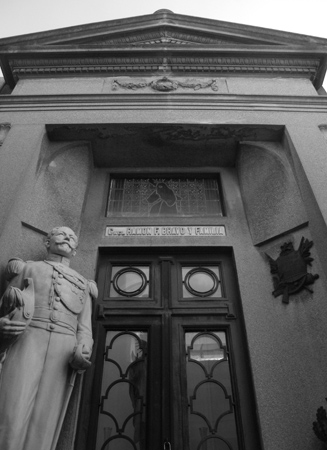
[210,410]
[122,415]
[151,197]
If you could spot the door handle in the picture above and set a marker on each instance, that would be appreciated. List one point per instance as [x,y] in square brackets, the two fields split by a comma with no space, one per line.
[166,445]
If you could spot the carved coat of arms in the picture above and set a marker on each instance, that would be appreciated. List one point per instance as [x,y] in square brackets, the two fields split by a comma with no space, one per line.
[289,270]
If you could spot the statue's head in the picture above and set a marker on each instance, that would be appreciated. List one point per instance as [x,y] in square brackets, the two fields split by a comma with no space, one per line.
[62,241]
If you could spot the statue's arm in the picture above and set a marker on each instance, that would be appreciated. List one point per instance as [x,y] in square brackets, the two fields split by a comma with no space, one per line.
[84,326]
[13,274]
[83,351]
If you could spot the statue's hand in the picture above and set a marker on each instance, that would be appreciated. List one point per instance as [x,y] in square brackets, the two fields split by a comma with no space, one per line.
[86,352]
[80,359]
[11,328]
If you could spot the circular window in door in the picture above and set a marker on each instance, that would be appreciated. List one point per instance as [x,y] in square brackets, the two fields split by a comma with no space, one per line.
[201,282]
[130,282]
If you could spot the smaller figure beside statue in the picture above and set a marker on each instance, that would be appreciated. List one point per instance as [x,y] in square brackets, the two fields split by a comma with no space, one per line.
[45,340]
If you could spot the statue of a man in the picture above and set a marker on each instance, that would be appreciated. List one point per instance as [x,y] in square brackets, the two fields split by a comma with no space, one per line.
[48,349]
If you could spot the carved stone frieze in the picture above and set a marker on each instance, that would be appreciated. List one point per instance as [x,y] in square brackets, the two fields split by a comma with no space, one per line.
[125,65]
[4,129]
[165,84]
[167,133]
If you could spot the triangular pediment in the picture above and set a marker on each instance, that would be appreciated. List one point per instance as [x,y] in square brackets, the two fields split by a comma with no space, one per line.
[161,35]
[161,28]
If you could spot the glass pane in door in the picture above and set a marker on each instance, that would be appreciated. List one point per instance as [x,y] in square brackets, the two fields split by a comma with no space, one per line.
[201,282]
[130,281]
[210,404]
[122,417]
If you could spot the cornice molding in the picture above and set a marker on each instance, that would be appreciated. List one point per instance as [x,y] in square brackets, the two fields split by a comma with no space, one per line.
[27,103]
[281,66]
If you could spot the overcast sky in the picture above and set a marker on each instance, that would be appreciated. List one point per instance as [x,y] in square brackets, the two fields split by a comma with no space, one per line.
[28,16]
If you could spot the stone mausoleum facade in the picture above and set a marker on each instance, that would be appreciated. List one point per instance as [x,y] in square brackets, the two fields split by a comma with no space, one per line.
[190,156]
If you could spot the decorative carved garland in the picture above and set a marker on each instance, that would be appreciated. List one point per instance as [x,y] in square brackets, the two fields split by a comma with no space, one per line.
[165,84]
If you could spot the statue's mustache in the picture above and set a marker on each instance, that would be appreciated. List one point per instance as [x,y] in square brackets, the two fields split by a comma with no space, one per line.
[66,242]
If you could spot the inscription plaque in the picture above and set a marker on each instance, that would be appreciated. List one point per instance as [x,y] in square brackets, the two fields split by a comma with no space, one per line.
[175,231]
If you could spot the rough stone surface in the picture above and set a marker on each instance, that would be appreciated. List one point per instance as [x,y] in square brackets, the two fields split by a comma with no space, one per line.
[271,197]
[55,86]
[270,86]
[59,191]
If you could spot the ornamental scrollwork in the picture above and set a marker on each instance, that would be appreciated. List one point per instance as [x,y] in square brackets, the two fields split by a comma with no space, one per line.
[165,84]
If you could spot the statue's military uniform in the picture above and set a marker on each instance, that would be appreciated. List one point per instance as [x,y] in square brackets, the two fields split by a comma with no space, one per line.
[36,375]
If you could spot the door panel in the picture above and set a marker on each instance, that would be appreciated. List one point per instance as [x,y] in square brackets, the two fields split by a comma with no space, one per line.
[171,366]
[123,405]
[211,419]
[205,381]
[129,282]
[127,359]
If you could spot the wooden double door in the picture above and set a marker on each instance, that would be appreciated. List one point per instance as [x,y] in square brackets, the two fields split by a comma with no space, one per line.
[171,369]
